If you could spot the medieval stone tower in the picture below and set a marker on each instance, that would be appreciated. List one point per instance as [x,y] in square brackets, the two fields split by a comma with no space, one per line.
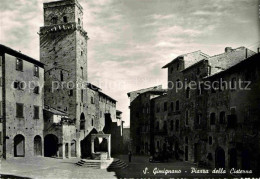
[63,49]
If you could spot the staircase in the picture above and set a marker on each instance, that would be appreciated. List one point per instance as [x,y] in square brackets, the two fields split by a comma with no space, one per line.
[88,164]
[117,164]
[97,164]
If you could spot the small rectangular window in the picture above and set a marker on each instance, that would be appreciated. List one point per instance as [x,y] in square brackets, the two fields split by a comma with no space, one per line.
[71,93]
[19,110]
[36,90]
[36,112]
[19,85]
[1,109]
[19,64]
[36,71]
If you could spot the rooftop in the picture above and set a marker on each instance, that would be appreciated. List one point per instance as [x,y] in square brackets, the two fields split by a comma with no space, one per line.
[8,50]
[189,58]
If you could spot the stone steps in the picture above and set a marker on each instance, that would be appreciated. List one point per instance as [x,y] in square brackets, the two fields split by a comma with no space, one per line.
[88,164]
[117,164]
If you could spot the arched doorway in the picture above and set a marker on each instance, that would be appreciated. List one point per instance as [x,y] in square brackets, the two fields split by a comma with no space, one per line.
[50,145]
[73,148]
[82,121]
[19,146]
[219,158]
[37,145]
[232,158]
[85,144]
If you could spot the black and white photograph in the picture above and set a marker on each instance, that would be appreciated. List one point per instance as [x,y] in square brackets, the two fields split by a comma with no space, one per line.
[93,89]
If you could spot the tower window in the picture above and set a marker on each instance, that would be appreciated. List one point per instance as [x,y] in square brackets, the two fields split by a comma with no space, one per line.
[65,19]
[82,72]
[19,64]
[61,76]
[79,21]
[54,20]
[36,71]
[82,95]
[92,122]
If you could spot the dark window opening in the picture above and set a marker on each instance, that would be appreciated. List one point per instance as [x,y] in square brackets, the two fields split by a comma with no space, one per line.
[171,124]
[188,92]
[222,117]
[212,119]
[92,122]
[36,112]
[19,110]
[54,20]
[19,64]
[92,100]
[186,140]
[177,125]
[165,106]
[82,95]
[65,19]
[36,90]
[71,93]
[79,21]
[210,140]
[172,106]
[233,83]
[177,107]
[61,76]
[36,71]
[187,118]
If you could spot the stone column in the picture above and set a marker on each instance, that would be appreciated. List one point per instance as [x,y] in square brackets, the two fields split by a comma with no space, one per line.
[109,146]
[92,145]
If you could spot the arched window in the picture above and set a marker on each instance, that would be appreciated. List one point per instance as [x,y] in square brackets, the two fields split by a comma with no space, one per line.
[212,119]
[222,117]
[65,19]
[54,20]
[165,126]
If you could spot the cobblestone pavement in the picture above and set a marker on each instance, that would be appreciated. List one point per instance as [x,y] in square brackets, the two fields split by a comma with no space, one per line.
[52,168]
[49,168]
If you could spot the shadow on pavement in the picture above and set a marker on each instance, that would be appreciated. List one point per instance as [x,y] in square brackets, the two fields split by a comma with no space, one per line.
[12,176]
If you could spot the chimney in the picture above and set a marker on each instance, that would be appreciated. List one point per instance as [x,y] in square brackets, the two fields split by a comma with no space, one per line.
[228,49]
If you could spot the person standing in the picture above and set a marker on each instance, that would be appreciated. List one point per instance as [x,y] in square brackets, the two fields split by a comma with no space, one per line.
[129,156]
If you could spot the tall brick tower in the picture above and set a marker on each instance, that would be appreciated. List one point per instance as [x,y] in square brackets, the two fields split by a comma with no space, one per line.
[63,49]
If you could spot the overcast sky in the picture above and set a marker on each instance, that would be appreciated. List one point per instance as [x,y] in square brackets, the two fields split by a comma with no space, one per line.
[130,40]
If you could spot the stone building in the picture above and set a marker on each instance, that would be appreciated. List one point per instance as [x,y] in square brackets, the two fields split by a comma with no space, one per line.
[21,103]
[160,122]
[141,120]
[82,107]
[212,119]
[180,135]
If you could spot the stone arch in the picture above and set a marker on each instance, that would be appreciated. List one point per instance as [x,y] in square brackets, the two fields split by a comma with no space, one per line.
[219,158]
[73,148]
[37,141]
[19,146]
[50,145]
[82,121]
